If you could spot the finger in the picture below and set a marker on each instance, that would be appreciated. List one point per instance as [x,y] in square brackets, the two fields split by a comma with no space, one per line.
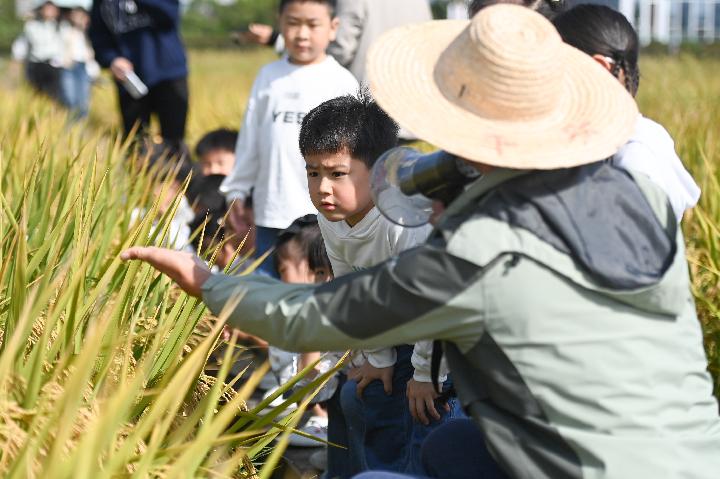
[430,404]
[421,412]
[413,409]
[387,383]
[136,252]
[361,387]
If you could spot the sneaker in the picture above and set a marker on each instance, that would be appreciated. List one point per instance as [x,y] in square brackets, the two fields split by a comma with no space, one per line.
[318,459]
[316,427]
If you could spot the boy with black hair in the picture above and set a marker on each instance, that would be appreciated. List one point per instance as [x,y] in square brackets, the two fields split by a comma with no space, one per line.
[215,152]
[340,140]
[267,155]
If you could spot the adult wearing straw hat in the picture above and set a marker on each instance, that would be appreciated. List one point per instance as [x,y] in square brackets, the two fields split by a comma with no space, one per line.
[556,282]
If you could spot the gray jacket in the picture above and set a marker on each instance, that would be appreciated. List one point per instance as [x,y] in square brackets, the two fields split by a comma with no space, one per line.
[363,21]
[563,301]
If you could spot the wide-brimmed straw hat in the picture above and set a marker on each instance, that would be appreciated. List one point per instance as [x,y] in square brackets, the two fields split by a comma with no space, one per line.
[502,89]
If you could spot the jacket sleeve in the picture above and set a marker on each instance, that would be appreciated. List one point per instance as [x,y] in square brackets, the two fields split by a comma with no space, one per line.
[422,363]
[367,309]
[103,41]
[166,13]
[241,180]
[351,14]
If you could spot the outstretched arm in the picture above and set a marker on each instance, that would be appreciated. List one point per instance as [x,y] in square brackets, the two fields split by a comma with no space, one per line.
[366,309]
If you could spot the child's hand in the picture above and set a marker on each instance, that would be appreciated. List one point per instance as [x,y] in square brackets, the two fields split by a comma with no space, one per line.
[186,269]
[368,373]
[421,400]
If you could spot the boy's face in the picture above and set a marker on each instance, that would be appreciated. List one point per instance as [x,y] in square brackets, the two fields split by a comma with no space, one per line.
[217,162]
[308,29]
[339,186]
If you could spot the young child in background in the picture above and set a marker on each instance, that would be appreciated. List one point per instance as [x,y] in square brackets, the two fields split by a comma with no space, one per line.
[78,62]
[340,141]
[292,264]
[215,152]
[44,50]
[267,155]
[608,37]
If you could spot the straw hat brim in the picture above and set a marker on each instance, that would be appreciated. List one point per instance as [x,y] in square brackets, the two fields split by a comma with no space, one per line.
[593,119]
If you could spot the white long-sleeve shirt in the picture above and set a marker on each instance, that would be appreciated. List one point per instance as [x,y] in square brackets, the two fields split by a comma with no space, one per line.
[651,151]
[373,240]
[44,42]
[268,155]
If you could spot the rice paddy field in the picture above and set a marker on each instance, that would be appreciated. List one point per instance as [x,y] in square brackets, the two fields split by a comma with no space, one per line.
[102,363]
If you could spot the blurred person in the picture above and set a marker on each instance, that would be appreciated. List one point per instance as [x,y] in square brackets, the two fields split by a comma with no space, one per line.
[547,8]
[44,49]
[78,62]
[215,152]
[268,161]
[607,36]
[363,21]
[557,282]
[143,36]
[292,264]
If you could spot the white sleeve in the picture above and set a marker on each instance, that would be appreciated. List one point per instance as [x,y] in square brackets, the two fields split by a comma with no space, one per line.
[666,171]
[422,362]
[407,238]
[239,183]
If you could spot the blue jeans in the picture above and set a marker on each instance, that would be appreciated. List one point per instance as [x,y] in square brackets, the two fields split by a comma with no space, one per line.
[265,239]
[75,89]
[454,451]
[343,463]
[378,424]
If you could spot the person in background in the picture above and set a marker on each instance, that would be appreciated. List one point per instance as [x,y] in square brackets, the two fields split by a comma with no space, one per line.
[363,21]
[215,152]
[44,50]
[608,37]
[547,8]
[143,36]
[268,161]
[78,62]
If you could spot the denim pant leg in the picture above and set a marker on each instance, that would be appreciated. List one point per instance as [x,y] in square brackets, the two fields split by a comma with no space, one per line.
[67,88]
[385,475]
[385,425]
[265,239]
[457,450]
[82,90]
[420,431]
[341,463]
[353,410]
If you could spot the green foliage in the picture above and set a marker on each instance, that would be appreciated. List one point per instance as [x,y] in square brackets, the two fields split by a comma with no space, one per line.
[207,23]
[10,25]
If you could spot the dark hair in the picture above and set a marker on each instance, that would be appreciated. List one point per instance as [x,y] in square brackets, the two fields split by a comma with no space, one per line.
[301,233]
[547,8]
[600,30]
[221,139]
[353,123]
[318,258]
[331,4]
